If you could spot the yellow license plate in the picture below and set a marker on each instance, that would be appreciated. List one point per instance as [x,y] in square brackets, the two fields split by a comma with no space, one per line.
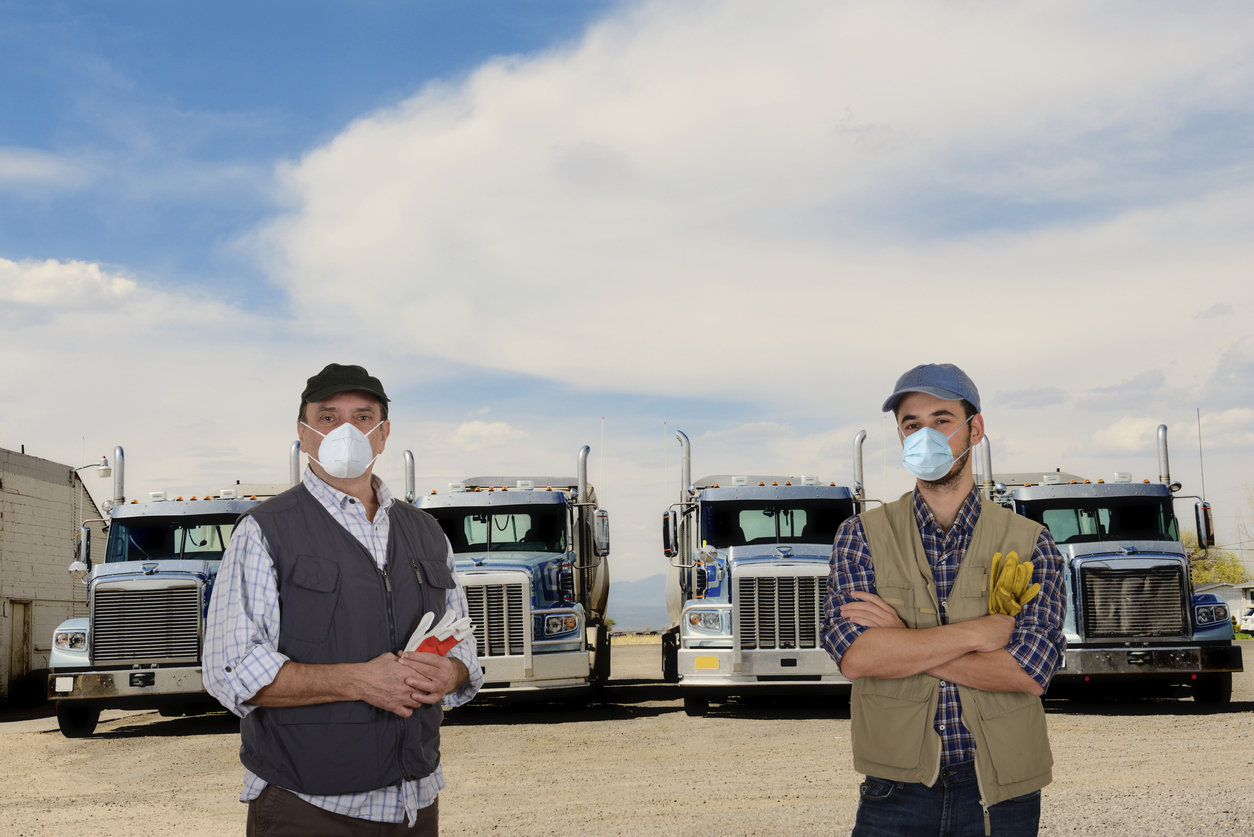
[707,662]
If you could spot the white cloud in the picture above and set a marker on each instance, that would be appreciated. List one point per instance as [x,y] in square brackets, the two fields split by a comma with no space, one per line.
[63,285]
[1128,435]
[478,435]
[734,181]
[22,167]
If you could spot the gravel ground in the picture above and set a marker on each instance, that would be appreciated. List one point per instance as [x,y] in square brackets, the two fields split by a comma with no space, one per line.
[633,763]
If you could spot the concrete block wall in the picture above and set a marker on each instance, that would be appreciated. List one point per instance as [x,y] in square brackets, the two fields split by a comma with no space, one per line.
[42,504]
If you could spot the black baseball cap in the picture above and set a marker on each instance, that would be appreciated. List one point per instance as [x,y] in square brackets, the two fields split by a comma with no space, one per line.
[339,378]
[943,380]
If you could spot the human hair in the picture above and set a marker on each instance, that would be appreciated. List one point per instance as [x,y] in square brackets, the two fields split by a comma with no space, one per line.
[383,407]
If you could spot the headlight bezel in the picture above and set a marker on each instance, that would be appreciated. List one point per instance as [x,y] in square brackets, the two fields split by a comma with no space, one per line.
[706,621]
[559,624]
[71,639]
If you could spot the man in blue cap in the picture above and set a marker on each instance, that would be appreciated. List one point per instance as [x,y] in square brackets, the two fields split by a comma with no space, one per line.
[948,645]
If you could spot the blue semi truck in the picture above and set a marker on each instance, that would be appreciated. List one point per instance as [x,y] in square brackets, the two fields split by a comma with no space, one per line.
[532,555]
[1132,614]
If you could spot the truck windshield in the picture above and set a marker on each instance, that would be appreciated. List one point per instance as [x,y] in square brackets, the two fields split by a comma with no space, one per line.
[1113,519]
[504,528]
[201,538]
[746,523]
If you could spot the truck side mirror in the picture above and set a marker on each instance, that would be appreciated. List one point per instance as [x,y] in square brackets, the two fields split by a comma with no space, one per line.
[670,527]
[601,533]
[1205,524]
[82,549]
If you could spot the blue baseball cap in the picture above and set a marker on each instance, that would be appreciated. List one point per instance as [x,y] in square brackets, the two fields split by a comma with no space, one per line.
[944,380]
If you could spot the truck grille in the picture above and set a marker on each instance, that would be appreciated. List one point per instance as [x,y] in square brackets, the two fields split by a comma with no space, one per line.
[1134,602]
[779,612]
[147,625]
[497,613]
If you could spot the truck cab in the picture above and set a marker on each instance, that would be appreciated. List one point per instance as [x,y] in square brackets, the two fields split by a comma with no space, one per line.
[532,557]
[148,597]
[1132,614]
[745,595]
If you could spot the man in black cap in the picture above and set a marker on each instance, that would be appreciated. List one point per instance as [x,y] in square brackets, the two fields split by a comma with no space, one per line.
[319,589]
[949,641]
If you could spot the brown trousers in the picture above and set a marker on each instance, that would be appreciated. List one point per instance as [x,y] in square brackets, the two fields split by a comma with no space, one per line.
[280,813]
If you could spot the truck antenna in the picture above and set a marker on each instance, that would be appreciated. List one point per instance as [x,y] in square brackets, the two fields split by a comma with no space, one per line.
[1200,466]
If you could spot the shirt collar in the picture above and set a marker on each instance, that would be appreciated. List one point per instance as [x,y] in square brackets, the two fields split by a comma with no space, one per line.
[968,514]
[334,499]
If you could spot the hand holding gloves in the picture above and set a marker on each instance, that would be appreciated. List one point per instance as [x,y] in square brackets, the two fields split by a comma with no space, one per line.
[1008,589]
[440,639]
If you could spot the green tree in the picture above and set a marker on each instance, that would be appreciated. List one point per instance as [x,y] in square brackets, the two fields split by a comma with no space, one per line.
[609,624]
[1213,565]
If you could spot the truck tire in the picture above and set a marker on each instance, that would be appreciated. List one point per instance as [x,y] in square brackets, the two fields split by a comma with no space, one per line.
[696,707]
[670,657]
[1213,688]
[76,720]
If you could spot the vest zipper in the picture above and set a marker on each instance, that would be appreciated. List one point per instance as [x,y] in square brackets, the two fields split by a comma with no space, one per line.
[400,739]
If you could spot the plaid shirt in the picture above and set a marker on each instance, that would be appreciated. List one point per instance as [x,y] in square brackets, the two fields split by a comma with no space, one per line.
[242,634]
[1037,643]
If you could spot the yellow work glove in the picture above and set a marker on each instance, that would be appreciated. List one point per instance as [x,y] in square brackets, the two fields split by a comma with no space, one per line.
[1010,585]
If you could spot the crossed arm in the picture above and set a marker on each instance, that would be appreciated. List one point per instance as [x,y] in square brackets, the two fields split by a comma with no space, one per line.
[970,653]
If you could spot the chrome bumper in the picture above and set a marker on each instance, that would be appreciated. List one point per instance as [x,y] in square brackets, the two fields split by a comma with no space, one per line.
[1182,661]
[124,683]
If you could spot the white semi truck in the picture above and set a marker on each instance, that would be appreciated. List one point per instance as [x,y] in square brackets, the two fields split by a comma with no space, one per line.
[749,558]
[532,556]
[1132,614]
[140,645]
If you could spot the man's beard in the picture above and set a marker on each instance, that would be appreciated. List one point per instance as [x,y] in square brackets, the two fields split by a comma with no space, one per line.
[954,476]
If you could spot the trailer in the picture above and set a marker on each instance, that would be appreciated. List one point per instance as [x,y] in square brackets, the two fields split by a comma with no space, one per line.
[1133,616]
[532,555]
[749,566]
[140,645]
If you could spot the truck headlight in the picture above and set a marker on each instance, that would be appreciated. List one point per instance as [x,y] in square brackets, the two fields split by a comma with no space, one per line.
[562,623]
[70,640]
[1211,613]
[705,620]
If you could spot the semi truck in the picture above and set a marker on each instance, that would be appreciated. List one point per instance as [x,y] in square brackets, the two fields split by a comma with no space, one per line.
[1132,616]
[749,565]
[532,555]
[140,646]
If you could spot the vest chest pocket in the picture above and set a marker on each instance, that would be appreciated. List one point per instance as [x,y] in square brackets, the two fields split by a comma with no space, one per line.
[309,599]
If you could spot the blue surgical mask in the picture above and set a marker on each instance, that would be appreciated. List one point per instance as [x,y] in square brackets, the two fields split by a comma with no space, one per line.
[926,453]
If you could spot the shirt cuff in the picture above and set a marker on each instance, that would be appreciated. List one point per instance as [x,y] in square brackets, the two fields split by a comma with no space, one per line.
[251,675]
[466,652]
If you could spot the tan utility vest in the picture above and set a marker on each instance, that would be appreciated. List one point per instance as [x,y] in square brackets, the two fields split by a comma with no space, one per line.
[893,731]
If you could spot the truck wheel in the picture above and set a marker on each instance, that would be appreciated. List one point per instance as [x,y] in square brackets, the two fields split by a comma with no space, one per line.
[77,721]
[696,707]
[1213,688]
[670,657]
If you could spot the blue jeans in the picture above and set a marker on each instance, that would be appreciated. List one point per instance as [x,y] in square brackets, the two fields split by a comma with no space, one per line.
[950,808]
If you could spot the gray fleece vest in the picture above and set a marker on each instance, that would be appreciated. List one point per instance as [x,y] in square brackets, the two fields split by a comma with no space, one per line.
[338,607]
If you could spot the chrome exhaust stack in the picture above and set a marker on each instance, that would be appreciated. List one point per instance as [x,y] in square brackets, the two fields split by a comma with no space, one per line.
[411,493]
[583,474]
[685,467]
[293,465]
[119,472]
[859,486]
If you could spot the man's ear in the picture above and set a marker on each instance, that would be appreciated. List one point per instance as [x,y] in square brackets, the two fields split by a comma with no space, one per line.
[977,429]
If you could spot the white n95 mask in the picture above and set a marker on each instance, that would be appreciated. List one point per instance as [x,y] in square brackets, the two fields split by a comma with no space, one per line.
[926,453]
[345,451]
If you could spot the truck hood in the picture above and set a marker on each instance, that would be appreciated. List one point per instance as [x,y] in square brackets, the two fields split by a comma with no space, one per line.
[542,568]
[801,553]
[207,570]
[1123,549]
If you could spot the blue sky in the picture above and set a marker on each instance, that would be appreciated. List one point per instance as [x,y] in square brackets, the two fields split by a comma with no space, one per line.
[738,220]
[181,110]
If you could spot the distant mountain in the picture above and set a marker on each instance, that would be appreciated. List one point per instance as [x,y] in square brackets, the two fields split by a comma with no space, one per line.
[636,605]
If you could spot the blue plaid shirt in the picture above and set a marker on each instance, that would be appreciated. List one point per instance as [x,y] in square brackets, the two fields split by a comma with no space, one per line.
[241,643]
[1037,643]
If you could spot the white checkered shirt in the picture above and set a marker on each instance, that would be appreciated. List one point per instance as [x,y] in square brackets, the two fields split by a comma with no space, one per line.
[242,635]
